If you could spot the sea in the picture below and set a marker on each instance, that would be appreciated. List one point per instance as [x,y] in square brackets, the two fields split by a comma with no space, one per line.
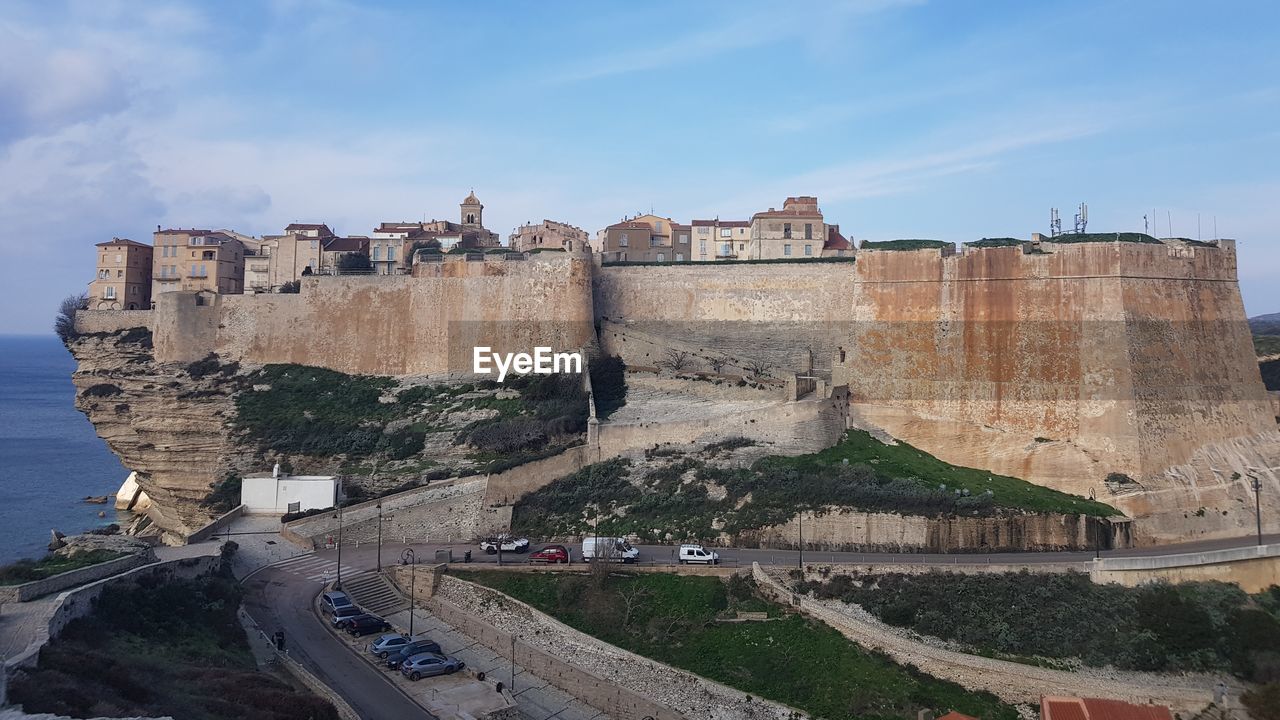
[50,457]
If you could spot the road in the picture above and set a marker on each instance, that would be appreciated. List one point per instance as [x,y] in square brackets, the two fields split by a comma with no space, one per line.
[281,600]
[281,597]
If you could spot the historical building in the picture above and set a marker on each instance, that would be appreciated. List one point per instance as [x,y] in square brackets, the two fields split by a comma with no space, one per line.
[549,235]
[794,232]
[644,238]
[334,249]
[837,245]
[719,239]
[123,281]
[392,244]
[193,259]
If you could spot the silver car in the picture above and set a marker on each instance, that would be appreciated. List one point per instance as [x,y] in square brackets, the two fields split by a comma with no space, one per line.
[429,664]
[387,644]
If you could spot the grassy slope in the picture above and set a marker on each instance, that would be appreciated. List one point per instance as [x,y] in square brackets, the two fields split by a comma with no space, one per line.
[24,571]
[903,460]
[162,648]
[791,660]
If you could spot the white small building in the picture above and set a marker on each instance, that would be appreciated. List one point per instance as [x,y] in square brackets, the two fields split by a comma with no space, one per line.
[279,493]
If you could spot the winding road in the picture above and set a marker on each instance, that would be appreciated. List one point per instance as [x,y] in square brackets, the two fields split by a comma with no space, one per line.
[281,596]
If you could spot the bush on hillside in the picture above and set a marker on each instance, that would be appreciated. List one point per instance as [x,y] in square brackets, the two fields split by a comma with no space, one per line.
[64,324]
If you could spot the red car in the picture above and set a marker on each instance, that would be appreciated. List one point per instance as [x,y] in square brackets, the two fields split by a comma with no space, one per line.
[550,554]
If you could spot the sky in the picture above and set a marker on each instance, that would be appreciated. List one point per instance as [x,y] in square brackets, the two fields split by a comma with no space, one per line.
[947,119]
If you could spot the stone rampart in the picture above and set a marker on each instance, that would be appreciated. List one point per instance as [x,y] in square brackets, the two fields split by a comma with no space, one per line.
[444,511]
[426,324]
[110,321]
[1254,568]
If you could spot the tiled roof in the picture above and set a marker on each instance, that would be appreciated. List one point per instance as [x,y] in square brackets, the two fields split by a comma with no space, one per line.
[180,231]
[953,715]
[346,244]
[836,241]
[120,242]
[1070,708]
[309,226]
[722,223]
[629,225]
[789,213]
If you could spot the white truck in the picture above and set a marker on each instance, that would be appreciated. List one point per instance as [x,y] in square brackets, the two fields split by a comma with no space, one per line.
[608,549]
[697,554]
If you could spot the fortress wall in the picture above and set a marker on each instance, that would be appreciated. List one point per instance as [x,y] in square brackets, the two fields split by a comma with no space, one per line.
[426,324]
[110,321]
[783,314]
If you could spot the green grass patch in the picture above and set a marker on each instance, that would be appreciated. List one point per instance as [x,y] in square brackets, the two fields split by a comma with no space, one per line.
[161,647]
[996,242]
[1127,237]
[1157,627]
[25,571]
[904,461]
[791,660]
[908,244]
[1264,345]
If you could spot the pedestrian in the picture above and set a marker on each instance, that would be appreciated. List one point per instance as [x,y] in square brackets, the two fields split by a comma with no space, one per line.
[279,639]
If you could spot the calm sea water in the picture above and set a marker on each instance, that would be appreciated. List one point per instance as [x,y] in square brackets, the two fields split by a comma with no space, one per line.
[50,458]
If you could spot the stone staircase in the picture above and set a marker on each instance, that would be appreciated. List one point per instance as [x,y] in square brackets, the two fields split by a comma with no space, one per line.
[375,594]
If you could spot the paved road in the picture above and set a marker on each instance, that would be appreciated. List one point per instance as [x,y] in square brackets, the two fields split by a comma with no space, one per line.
[279,600]
[280,597]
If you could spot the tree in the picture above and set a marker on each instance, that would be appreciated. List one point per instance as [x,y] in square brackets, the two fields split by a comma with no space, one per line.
[758,368]
[65,323]
[717,363]
[633,596]
[676,360]
[430,244]
[291,287]
[354,262]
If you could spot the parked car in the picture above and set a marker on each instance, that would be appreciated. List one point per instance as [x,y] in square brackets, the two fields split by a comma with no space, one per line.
[387,644]
[332,600]
[551,554]
[345,613]
[429,664]
[417,647]
[508,544]
[697,554]
[608,549]
[365,624]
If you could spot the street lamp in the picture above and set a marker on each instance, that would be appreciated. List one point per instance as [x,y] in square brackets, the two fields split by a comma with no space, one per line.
[1257,504]
[337,585]
[409,558]
[379,536]
[801,518]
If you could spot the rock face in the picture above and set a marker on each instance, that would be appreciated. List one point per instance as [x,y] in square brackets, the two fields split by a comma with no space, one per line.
[167,426]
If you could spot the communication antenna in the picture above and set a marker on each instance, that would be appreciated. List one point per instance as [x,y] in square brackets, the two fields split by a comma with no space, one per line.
[1082,218]
[1146,226]
[1055,223]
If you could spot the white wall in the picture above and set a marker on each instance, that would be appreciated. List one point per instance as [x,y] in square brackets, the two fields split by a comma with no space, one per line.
[267,495]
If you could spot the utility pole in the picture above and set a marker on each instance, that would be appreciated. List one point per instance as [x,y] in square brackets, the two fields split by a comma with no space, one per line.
[410,559]
[513,663]
[379,536]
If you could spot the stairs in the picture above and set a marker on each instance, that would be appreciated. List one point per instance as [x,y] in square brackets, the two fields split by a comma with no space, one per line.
[375,594]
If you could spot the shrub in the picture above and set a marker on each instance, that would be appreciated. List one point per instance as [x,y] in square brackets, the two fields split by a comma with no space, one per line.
[404,443]
[102,390]
[223,496]
[205,366]
[292,287]
[64,324]
[354,262]
[914,244]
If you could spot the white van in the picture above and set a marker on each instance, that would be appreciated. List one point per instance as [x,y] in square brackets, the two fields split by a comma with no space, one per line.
[697,554]
[608,549]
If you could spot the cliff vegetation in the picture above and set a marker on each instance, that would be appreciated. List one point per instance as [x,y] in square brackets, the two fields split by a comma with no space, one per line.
[787,658]
[675,495]
[161,648]
[1065,617]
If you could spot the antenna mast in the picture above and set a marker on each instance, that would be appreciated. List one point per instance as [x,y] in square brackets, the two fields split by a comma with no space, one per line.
[1082,218]
[1055,223]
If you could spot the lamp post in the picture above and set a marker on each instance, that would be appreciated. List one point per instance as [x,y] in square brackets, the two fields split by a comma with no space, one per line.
[337,585]
[1257,504]
[801,518]
[409,558]
[379,536]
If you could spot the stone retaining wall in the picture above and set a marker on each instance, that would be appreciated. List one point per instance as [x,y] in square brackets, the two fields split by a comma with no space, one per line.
[215,525]
[440,512]
[1011,682]
[110,321]
[72,578]
[618,682]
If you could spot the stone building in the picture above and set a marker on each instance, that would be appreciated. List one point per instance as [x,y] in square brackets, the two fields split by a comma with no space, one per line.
[392,244]
[794,232]
[719,239]
[288,256]
[644,238]
[123,280]
[193,259]
[549,235]
[837,245]
[333,249]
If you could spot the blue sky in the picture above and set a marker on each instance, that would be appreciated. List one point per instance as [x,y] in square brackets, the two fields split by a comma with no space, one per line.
[951,119]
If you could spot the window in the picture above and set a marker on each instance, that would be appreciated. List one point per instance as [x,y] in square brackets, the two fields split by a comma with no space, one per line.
[313,244]
[679,257]
[808,249]
[658,226]
[704,230]
[193,269]
[377,252]
[726,232]
[684,238]
[622,240]
[786,249]
[203,271]
[662,257]
[742,246]
[786,231]
[119,273]
[702,247]
[808,231]
[726,249]
[207,255]
[110,293]
[391,253]
[653,241]
[119,258]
